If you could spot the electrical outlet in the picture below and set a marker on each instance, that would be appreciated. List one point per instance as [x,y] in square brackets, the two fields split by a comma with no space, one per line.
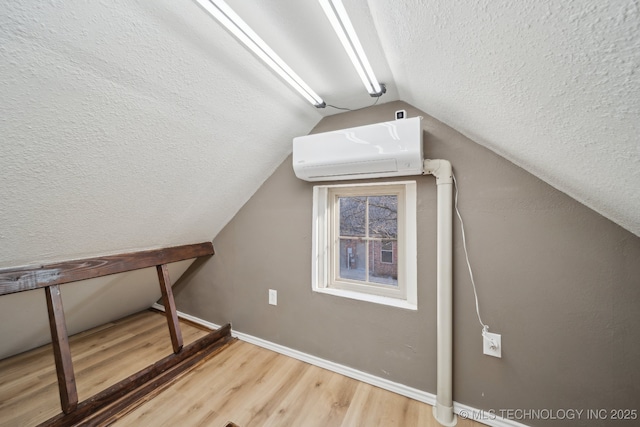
[492,344]
[273,297]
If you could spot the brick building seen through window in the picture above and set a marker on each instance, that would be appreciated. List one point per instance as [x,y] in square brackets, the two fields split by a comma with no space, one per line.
[369,224]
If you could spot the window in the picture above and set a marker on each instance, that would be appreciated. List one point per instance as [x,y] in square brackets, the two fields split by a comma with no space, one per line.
[386,252]
[364,242]
[361,223]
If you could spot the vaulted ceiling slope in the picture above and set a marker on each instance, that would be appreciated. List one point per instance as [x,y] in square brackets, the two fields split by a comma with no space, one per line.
[128,125]
[553,86]
[131,124]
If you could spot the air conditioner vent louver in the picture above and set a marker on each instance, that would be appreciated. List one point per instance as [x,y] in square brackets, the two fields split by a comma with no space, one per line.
[352,168]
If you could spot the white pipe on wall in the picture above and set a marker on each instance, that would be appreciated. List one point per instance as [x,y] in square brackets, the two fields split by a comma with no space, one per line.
[443,410]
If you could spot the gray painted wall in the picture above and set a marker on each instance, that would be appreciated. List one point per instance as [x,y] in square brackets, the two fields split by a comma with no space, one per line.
[559,282]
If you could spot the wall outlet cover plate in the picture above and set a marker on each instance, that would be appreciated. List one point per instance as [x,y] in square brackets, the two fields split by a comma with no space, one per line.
[492,344]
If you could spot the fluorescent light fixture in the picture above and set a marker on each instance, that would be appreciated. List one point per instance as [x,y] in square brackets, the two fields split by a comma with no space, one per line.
[335,11]
[227,17]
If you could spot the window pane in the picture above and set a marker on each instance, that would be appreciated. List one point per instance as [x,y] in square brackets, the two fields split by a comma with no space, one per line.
[353,258]
[383,217]
[387,251]
[352,216]
[383,261]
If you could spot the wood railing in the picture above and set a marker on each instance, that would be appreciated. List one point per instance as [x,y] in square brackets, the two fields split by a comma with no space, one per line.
[52,276]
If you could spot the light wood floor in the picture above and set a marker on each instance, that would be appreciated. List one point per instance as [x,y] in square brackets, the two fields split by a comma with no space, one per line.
[248,385]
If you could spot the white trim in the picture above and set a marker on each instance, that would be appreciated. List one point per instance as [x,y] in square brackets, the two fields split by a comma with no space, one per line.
[401,389]
[322,265]
[361,296]
[366,285]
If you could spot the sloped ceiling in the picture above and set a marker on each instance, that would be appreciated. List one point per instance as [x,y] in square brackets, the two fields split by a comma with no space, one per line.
[133,124]
[553,86]
[128,125]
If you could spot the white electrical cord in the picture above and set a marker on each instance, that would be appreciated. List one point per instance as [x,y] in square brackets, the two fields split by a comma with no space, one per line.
[485,327]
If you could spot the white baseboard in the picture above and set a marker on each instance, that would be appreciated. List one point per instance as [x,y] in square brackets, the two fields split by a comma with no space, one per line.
[478,415]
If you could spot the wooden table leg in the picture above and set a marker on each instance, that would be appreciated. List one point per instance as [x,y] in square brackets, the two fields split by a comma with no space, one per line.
[61,350]
[170,307]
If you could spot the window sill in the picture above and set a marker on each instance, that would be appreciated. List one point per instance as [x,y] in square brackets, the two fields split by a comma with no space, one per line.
[376,299]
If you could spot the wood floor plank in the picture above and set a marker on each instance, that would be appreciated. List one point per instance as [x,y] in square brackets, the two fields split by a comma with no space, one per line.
[42,404]
[103,368]
[422,415]
[103,355]
[331,406]
[252,387]
[38,358]
[383,409]
[14,378]
[354,414]
[185,402]
[92,377]
[244,384]
[259,410]
[303,403]
[249,404]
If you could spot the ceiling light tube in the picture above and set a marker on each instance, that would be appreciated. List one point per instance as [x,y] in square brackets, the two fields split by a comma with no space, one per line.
[337,14]
[232,22]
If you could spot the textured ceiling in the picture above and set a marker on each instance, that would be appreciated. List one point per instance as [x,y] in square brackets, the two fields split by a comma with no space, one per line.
[128,125]
[131,124]
[553,86]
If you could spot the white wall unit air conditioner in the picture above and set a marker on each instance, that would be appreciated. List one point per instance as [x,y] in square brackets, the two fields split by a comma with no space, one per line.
[383,149]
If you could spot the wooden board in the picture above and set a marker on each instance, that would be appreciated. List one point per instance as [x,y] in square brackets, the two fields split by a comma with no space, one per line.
[28,278]
[61,350]
[170,307]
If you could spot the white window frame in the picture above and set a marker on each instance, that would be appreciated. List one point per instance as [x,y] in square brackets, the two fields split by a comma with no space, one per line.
[325,237]
[334,279]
